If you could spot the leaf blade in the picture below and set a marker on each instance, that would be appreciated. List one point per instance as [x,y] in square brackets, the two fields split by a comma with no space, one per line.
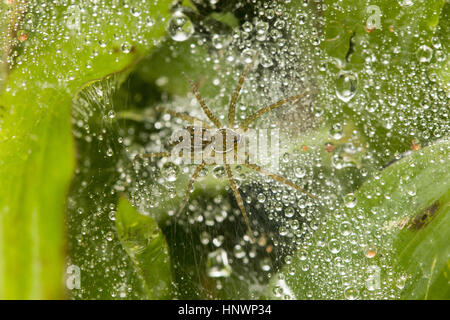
[146,245]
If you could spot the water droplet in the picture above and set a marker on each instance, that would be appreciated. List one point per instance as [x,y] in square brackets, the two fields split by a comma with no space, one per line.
[412,190]
[351,293]
[425,53]
[400,283]
[350,200]
[266,61]
[170,171]
[247,55]
[299,172]
[295,224]
[283,231]
[135,12]
[218,265]
[289,212]
[303,254]
[288,259]
[126,47]
[111,114]
[265,264]
[406,3]
[336,131]
[219,41]
[110,236]
[112,215]
[370,251]
[180,27]
[239,252]
[261,29]
[218,172]
[204,238]
[247,26]
[334,246]
[345,228]
[346,86]
[301,19]
[261,198]
[22,35]
[218,241]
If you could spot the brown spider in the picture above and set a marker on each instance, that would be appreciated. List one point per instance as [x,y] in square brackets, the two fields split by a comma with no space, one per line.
[225,135]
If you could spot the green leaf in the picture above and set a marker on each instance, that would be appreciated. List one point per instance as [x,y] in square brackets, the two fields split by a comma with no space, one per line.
[423,248]
[145,244]
[67,46]
[397,224]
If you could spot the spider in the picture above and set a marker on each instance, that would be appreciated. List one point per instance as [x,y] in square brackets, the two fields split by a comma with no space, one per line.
[223,136]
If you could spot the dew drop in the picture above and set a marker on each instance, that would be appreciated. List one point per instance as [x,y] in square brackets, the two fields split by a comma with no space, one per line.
[180,27]
[261,29]
[265,264]
[400,283]
[126,47]
[350,200]
[170,171]
[218,241]
[218,265]
[370,251]
[112,215]
[218,172]
[334,246]
[345,228]
[299,172]
[247,26]
[219,41]
[336,131]
[261,198]
[111,114]
[351,293]
[425,53]
[110,236]
[283,231]
[239,252]
[346,86]
[289,212]
[266,61]
[247,55]
[204,238]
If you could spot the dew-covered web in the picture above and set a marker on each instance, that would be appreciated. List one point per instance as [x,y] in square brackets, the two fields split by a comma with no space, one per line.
[343,132]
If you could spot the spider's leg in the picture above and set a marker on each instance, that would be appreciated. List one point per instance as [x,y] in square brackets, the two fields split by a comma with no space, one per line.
[238,197]
[279,179]
[260,112]
[184,117]
[190,186]
[200,100]
[232,107]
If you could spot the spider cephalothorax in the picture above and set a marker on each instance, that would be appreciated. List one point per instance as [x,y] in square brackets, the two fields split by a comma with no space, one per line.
[213,143]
